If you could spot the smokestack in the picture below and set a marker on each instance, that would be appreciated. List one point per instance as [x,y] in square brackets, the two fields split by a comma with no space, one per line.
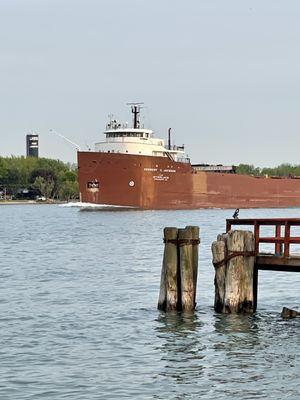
[169,138]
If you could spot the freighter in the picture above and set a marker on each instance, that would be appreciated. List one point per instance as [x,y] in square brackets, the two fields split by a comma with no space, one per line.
[132,168]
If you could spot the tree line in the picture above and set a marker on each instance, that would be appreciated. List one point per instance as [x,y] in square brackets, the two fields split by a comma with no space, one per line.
[52,179]
[282,170]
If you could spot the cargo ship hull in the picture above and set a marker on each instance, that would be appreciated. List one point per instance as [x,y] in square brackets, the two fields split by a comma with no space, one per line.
[149,182]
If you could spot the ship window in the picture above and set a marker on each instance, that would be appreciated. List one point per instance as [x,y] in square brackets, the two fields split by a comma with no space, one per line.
[126,134]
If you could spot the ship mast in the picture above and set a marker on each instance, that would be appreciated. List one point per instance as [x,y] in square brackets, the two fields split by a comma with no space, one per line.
[135,109]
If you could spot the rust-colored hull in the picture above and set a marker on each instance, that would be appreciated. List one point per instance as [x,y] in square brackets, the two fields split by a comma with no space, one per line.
[158,183]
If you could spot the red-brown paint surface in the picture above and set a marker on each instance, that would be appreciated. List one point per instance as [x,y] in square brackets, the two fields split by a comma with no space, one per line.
[159,183]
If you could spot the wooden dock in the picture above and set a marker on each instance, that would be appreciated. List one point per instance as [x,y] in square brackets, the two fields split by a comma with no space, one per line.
[282,259]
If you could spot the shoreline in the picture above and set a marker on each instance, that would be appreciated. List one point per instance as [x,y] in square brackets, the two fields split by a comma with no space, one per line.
[29,202]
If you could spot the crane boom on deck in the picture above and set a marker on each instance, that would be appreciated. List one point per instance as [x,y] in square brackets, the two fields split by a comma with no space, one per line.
[65,138]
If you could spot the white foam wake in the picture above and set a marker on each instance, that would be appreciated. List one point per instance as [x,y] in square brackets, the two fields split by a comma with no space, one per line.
[93,205]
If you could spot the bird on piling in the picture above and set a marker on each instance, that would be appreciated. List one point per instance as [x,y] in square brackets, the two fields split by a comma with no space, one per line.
[236,214]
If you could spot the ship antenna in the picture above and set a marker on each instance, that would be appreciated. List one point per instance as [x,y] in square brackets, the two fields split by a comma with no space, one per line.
[135,109]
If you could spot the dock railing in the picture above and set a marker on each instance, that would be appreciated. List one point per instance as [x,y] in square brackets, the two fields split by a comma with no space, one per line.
[281,242]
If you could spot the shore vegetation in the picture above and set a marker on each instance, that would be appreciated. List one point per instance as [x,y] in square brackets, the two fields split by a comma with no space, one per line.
[31,177]
[283,170]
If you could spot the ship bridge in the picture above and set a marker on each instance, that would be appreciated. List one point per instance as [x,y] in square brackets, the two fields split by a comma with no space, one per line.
[138,141]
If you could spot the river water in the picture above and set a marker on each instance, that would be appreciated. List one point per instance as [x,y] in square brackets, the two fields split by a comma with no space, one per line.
[78,317]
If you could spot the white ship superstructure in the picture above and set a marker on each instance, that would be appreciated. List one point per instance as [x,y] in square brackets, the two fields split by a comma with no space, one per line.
[136,141]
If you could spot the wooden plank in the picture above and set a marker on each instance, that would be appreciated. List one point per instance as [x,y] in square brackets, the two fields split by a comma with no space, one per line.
[278,268]
[275,263]
[264,221]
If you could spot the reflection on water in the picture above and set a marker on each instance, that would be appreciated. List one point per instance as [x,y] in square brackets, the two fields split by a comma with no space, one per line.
[177,322]
[230,323]
[182,353]
[219,356]
[237,330]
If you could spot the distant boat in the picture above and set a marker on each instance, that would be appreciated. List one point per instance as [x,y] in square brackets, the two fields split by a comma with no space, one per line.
[132,168]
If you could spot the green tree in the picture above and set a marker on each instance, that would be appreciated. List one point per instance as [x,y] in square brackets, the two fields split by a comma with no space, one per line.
[68,191]
[246,169]
[21,172]
[44,186]
[3,171]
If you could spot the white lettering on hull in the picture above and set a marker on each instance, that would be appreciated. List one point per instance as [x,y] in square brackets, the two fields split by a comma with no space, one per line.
[162,170]
[161,178]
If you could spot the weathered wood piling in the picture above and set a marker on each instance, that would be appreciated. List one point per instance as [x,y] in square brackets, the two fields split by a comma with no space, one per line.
[179,269]
[237,260]
[168,295]
[235,273]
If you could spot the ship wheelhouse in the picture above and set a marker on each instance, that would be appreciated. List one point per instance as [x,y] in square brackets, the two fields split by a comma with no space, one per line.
[136,140]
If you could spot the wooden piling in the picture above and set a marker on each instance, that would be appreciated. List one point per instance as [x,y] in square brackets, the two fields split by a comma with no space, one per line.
[233,258]
[186,269]
[180,269]
[219,254]
[168,295]
[195,246]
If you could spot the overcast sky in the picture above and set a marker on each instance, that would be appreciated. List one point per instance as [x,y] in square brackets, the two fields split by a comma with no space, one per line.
[223,74]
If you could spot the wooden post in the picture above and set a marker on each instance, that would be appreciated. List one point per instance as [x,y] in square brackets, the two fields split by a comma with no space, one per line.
[278,246]
[179,270]
[168,295]
[195,246]
[235,273]
[188,261]
[219,254]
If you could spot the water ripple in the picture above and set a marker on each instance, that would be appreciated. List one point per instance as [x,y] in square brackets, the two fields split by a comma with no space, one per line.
[78,318]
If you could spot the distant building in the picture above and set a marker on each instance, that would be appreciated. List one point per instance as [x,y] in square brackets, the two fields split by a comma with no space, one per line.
[32,145]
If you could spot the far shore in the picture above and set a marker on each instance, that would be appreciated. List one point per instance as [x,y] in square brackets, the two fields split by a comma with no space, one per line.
[30,202]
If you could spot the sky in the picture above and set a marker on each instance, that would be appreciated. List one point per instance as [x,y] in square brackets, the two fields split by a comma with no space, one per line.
[224,75]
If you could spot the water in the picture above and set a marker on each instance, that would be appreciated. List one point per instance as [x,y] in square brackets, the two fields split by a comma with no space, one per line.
[78,318]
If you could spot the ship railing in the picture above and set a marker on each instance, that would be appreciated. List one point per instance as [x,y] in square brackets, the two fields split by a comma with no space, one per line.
[282,242]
